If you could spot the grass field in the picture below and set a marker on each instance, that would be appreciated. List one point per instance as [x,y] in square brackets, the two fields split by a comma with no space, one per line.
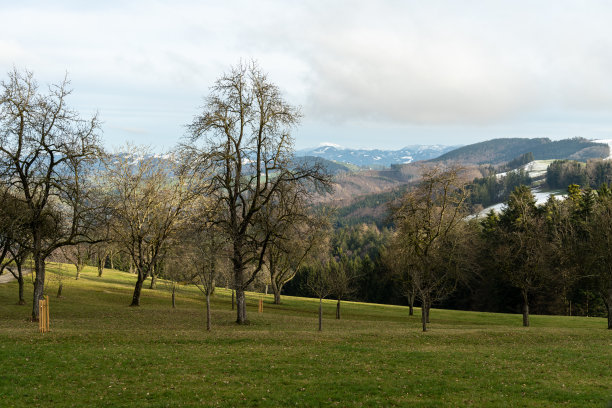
[100,352]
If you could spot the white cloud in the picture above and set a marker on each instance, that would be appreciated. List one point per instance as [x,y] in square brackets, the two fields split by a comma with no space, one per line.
[392,63]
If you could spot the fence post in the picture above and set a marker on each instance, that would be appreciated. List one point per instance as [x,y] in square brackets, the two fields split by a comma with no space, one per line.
[260,306]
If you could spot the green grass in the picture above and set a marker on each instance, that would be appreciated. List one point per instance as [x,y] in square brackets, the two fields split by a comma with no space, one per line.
[100,352]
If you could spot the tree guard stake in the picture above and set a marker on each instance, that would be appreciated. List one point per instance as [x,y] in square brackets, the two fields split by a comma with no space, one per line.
[43,315]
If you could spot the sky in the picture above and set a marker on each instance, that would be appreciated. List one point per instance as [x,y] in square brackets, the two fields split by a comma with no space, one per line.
[366,74]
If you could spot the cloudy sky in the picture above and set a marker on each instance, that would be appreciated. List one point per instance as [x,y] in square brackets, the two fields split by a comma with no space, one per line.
[366,73]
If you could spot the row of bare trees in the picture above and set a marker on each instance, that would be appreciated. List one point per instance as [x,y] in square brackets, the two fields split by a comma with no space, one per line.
[229,194]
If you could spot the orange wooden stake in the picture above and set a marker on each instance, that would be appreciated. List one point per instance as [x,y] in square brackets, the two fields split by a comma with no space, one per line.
[260,305]
[47,310]
[43,315]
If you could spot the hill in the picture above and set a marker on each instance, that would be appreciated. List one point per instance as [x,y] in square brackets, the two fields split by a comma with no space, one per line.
[100,352]
[330,166]
[497,151]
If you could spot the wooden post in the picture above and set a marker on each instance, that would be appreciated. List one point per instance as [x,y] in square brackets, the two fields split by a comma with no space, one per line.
[43,315]
[40,315]
[47,311]
[260,306]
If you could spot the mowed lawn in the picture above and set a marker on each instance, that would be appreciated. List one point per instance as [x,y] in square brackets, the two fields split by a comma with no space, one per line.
[100,352]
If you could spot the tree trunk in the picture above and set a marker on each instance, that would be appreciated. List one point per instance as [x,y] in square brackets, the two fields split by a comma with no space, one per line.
[424,316]
[79,267]
[241,307]
[525,309]
[59,290]
[277,292]
[112,263]
[425,302]
[320,313]
[39,282]
[173,297]
[411,304]
[153,281]
[233,299]
[338,309]
[21,284]
[137,289]
[609,304]
[100,267]
[207,311]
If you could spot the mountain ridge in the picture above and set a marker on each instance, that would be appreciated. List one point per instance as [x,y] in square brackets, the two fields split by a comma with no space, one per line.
[375,158]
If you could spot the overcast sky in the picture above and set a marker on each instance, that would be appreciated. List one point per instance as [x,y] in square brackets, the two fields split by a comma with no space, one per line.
[368,74]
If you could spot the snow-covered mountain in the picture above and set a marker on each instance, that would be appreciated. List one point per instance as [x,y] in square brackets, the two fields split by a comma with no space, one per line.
[376,157]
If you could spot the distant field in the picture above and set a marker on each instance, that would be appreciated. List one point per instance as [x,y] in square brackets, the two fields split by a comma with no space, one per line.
[101,352]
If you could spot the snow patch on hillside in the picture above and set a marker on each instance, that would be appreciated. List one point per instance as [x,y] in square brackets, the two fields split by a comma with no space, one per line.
[329,144]
[609,143]
[540,196]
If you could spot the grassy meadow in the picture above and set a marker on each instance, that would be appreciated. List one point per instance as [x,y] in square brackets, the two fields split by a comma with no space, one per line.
[100,352]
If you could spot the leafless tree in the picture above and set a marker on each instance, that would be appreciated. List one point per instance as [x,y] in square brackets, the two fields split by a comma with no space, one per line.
[45,151]
[150,197]
[207,258]
[13,235]
[247,154]
[399,267]
[76,255]
[319,282]
[98,254]
[428,220]
[296,233]
[341,278]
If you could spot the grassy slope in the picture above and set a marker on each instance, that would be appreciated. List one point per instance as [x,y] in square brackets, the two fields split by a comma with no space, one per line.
[101,352]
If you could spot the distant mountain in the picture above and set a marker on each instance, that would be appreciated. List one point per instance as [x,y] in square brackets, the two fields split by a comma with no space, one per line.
[497,151]
[375,158]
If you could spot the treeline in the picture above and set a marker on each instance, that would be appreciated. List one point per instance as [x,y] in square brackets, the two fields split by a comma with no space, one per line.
[369,209]
[593,173]
[360,249]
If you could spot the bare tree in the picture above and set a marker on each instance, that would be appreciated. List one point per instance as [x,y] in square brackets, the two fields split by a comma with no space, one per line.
[207,260]
[428,220]
[13,235]
[98,254]
[341,277]
[76,255]
[296,233]
[45,150]
[149,200]
[399,266]
[247,151]
[318,280]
